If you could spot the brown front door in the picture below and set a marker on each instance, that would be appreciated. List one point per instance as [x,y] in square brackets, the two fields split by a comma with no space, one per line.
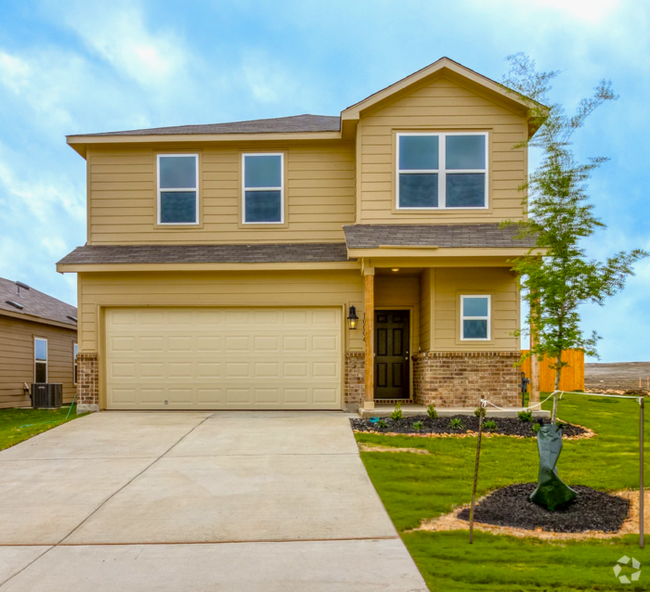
[392,338]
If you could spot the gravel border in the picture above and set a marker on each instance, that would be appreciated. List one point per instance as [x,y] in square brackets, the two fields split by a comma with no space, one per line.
[506,426]
[592,510]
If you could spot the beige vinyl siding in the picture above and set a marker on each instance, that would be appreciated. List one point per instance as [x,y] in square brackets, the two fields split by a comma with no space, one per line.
[445,106]
[499,283]
[426,303]
[319,193]
[17,359]
[218,289]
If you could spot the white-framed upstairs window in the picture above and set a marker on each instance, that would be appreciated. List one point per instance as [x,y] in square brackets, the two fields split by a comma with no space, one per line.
[475,318]
[178,189]
[75,351]
[40,359]
[263,188]
[442,170]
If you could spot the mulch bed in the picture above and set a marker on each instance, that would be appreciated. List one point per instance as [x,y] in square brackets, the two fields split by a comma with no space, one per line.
[592,510]
[506,426]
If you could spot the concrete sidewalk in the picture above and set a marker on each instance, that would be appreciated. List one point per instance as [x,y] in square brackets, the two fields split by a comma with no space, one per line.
[196,501]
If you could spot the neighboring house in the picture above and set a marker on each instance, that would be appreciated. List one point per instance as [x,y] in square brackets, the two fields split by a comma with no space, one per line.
[225,263]
[38,343]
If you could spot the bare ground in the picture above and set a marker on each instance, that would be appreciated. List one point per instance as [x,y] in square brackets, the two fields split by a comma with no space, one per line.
[617,377]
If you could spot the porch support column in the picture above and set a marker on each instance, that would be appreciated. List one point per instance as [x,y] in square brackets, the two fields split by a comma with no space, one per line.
[534,390]
[369,337]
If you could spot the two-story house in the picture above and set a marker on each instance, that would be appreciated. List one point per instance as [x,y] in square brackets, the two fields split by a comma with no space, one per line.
[308,262]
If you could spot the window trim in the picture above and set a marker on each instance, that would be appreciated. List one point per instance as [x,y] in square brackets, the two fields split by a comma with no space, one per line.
[75,367]
[442,171]
[160,189]
[243,191]
[47,358]
[487,318]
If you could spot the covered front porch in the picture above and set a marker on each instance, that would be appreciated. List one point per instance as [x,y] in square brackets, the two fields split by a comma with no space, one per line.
[439,335]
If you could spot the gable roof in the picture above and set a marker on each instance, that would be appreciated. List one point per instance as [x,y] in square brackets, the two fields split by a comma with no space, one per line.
[36,305]
[329,126]
[293,124]
[374,236]
[447,66]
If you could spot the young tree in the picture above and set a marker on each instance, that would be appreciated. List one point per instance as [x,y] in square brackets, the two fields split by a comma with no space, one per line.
[557,276]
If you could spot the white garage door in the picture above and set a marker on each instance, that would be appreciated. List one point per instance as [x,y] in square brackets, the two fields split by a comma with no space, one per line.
[226,358]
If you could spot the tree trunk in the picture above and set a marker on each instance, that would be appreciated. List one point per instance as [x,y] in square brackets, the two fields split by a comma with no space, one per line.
[558,374]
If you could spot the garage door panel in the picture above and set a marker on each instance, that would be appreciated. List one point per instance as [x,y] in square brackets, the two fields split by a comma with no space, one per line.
[249,358]
[325,395]
[208,344]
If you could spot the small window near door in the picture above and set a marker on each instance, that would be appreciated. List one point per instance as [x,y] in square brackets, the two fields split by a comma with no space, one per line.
[475,318]
[76,369]
[40,359]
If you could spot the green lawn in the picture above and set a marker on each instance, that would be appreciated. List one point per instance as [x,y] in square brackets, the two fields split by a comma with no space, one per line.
[414,487]
[17,425]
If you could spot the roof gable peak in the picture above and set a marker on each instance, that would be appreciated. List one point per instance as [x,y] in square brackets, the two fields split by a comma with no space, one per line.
[441,67]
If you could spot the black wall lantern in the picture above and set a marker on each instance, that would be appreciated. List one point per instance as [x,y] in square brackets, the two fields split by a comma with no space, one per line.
[353,319]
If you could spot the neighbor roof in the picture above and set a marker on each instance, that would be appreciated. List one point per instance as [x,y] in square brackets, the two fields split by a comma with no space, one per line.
[258,253]
[293,124]
[35,304]
[373,236]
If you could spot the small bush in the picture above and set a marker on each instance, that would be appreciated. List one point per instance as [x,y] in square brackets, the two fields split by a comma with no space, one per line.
[525,416]
[456,423]
[480,411]
[431,412]
[382,424]
[537,427]
[418,425]
[397,414]
[490,425]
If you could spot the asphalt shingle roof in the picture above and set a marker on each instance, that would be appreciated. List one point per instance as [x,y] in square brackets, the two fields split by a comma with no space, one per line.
[35,304]
[257,253]
[372,236]
[293,124]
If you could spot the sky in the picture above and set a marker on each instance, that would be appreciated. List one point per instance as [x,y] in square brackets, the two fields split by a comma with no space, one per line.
[69,66]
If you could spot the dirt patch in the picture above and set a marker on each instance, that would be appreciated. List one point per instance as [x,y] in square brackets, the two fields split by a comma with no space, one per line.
[451,521]
[468,427]
[617,378]
[377,448]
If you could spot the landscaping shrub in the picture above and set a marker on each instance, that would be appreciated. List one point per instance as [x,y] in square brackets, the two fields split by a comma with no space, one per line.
[456,423]
[490,425]
[397,414]
[382,424]
[418,425]
[525,416]
[431,412]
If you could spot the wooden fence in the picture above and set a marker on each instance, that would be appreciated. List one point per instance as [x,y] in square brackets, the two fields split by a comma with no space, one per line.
[573,375]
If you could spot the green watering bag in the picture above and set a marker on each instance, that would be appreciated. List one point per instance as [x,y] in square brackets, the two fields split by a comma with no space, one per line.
[551,491]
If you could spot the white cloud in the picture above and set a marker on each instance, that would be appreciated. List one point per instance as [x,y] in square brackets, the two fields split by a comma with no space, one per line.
[118,33]
[14,72]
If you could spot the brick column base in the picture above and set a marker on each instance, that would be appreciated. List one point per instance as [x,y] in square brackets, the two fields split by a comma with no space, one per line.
[87,382]
[354,380]
[460,379]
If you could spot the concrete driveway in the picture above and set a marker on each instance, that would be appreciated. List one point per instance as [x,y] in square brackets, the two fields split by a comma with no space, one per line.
[178,501]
